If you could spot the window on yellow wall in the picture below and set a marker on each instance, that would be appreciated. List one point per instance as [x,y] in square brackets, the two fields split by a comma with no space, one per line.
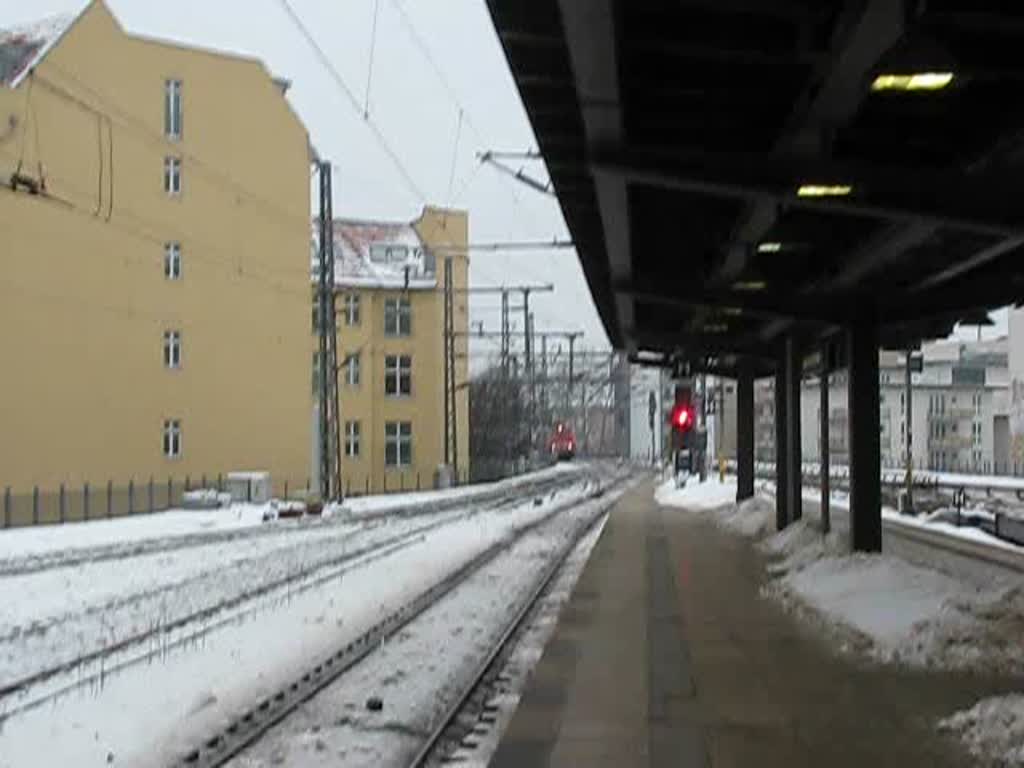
[350,305]
[398,443]
[353,365]
[397,375]
[172,349]
[352,438]
[172,439]
[172,261]
[172,109]
[398,316]
[172,175]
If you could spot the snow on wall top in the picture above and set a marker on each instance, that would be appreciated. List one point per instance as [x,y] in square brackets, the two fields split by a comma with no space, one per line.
[376,254]
[22,47]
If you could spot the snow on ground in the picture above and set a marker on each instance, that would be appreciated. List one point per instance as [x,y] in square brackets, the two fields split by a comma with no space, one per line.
[41,539]
[992,730]
[357,506]
[413,680]
[753,517]
[147,713]
[696,495]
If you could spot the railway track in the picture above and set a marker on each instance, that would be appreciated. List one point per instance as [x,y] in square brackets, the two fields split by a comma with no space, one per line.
[127,550]
[251,725]
[93,667]
[470,709]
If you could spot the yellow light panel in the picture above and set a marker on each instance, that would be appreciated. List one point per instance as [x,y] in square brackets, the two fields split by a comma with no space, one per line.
[750,285]
[823,190]
[918,81]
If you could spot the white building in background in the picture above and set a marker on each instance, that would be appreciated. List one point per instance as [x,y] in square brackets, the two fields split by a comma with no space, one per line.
[645,382]
[1015,396]
[960,409]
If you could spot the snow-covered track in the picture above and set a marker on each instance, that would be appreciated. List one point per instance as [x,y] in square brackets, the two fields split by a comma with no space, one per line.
[460,718]
[248,728]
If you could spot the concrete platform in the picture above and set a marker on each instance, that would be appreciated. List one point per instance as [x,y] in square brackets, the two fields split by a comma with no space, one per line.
[666,655]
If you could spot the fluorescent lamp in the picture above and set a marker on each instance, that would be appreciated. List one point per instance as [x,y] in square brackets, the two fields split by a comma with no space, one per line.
[823,190]
[918,81]
[769,247]
[749,285]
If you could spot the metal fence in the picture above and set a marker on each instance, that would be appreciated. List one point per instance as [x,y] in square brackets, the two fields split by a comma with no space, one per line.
[96,501]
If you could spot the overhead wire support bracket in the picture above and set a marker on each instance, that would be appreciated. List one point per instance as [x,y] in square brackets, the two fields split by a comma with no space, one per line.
[518,175]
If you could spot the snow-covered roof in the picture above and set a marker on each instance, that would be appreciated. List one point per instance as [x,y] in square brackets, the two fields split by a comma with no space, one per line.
[376,254]
[22,47]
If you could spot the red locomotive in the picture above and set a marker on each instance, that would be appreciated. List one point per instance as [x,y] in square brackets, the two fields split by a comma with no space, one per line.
[562,444]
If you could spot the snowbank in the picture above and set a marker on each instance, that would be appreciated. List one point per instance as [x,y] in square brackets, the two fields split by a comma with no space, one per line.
[38,540]
[753,517]
[992,730]
[696,495]
[895,611]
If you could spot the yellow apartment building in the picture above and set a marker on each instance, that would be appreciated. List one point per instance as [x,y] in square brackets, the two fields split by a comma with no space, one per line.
[154,261]
[390,306]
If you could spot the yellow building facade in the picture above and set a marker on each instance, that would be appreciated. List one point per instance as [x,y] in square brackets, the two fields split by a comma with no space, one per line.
[391,382]
[154,261]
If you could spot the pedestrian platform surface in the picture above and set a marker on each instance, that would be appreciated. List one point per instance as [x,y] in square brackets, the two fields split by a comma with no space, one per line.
[668,655]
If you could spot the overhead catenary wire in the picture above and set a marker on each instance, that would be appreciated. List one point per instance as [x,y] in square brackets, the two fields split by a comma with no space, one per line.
[137,125]
[353,101]
[369,64]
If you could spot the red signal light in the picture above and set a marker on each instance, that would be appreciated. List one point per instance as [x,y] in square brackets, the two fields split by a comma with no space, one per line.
[682,417]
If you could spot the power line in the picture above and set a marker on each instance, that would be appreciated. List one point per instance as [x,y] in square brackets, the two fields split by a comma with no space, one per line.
[133,122]
[353,101]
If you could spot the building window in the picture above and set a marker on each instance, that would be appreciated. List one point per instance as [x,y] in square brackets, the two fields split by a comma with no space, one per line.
[316,373]
[172,439]
[351,438]
[429,262]
[172,109]
[398,444]
[316,313]
[172,349]
[397,253]
[172,261]
[397,375]
[352,369]
[172,175]
[379,253]
[397,317]
[351,308]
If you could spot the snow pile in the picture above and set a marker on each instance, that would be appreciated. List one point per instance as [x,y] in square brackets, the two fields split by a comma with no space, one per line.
[205,498]
[992,730]
[799,545]
[695,495]
[898,612]
[752,517]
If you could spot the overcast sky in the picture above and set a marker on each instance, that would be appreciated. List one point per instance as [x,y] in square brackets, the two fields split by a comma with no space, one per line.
[415,110]
[412,107]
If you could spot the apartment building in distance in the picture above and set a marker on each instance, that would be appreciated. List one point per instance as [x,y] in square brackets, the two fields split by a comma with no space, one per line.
[960,402]
[154,271]
[389,279]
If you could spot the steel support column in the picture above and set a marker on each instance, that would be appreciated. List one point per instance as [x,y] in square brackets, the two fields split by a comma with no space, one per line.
[744,435]
[792,372]
[781,465]
[823,419]
[864,422]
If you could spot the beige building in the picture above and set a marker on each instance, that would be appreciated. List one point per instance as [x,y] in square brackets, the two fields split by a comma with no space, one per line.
[390,308]
[154,294]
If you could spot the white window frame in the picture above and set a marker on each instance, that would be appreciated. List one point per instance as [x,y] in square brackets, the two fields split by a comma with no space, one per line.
[171,443]
[353,372]
[353,438]
[350,302]
[398,309]
[396,369]
[172,109]
[172,175]
[172,260]
[398,435]
[316,373]
[172,350]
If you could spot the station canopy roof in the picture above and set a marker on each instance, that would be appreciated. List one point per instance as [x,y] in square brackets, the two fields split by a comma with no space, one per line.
[733,171]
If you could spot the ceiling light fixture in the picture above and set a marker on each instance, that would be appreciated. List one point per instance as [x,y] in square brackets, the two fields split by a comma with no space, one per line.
[824,190]
[769,247]
[750,285]
[918,81]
